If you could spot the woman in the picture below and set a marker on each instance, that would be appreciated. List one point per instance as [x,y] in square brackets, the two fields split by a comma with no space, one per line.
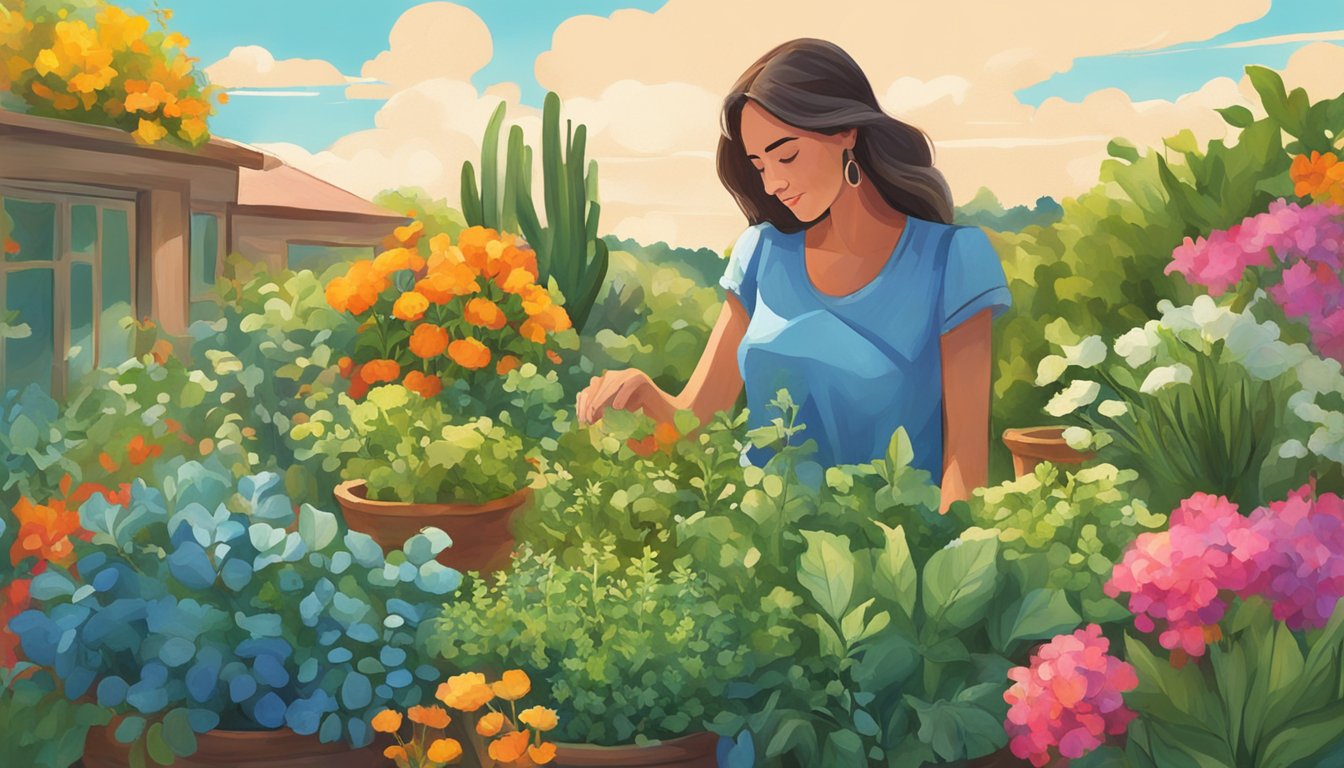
[851,288]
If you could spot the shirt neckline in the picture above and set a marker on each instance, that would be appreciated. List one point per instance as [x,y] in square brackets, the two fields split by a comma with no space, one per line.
[892,258]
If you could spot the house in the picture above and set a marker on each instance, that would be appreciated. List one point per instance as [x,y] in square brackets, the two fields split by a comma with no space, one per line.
[97,227]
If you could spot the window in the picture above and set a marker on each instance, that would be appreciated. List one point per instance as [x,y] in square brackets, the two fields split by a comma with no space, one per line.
[204,263]
[320,258]
[65,275]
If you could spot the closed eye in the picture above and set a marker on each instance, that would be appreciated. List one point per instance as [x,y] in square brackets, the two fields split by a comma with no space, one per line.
[788,159]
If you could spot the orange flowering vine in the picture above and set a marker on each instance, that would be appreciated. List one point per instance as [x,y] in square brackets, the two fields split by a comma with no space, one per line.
[510,745]
[1319,176]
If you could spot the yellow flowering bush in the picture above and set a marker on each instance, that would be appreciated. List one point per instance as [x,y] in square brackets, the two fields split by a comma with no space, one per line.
[435,311]
[468,692]
[93,62]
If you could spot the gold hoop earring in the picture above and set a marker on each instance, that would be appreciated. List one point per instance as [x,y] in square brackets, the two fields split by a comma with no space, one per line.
[852,174]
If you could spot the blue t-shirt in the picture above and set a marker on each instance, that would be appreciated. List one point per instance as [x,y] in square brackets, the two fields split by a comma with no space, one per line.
[863,364]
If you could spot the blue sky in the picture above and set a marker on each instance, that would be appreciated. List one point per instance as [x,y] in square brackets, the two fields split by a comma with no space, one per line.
[349,32]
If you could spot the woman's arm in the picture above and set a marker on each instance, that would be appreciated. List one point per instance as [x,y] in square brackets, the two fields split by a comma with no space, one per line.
[966,375]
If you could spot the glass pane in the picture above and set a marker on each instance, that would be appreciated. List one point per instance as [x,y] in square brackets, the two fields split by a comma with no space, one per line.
[204,252]
[114,341]
[83,229]
[29,230]
[28,360]
[80,356]
[320,258]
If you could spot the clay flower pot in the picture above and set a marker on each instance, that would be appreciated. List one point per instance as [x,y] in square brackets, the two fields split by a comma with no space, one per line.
[242,749]
[695,750]
[482,539]
[1032,445]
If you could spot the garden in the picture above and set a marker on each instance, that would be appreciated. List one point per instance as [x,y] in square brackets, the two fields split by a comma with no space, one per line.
[351,518]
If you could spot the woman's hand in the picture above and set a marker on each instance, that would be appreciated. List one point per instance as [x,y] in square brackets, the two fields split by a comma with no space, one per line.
[629,389]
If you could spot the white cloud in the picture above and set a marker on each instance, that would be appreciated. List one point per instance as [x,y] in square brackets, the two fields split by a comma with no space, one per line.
[252,66]
[429,41]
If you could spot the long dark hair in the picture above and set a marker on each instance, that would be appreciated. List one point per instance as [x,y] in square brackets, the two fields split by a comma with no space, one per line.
[815,86]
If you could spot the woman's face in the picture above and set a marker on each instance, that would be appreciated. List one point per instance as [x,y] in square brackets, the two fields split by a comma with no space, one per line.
[801,168]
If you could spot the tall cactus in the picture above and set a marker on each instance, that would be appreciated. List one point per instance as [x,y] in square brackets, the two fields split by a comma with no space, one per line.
[568,246]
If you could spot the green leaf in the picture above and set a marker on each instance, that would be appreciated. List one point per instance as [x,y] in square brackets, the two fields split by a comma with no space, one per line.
[177,733]
[793,733]
[1236,115]
[826,569]
[851,627]
[159,751]
[896,576]
[900,452]
[1122,149]
[317,528]
[959,582]
[1042,613]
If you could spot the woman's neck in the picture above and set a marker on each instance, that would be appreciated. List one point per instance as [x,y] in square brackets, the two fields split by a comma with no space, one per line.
[860,222]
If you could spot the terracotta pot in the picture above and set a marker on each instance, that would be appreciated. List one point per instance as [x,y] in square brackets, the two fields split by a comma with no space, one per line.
[1032,445]
[242,749]
[692,751]
[482,540]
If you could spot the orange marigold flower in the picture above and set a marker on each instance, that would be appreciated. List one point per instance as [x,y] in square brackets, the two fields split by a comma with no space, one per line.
[469,353]
[541,718]
[513,685]
[387,721]
[447,282]
[542,754]
[490,724]
[442,253]
[428,340]
[431,717]
[535,299]
[507,363]
[665,435]
[509,747]
[1311,175]
[406,236]
[485,313]
[426,385]
[553,318]
[473,242]
[554,356]
[466,692]
[375,371]
[410,306]
[516,280]
[339,292]
[358,386]
[533,331]
[138,451]
[397,259]
[44,532]
[395,752]
[521,258]
[444,750]
[643,447]
[345,365]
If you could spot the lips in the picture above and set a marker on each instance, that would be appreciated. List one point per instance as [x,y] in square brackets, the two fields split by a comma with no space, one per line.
[791,201]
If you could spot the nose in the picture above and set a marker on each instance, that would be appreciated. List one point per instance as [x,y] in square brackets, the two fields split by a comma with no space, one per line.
[774,182]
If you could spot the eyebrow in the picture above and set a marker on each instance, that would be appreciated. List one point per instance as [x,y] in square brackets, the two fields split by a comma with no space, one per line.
[772,146]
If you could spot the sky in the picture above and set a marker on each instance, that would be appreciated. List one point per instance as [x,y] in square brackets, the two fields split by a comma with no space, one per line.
[396,92]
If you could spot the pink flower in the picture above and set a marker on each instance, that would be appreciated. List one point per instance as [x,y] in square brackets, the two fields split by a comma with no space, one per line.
[1069,699]
[1302,571]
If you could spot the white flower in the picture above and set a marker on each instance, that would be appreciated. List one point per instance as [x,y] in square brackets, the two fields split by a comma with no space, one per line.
[1078,438]
[1138,345]
[1320,375]
[1086,353]
[1050,369]
[1113,409]
[1165,376]
[1214,322]
[1075,396]
[1293,449]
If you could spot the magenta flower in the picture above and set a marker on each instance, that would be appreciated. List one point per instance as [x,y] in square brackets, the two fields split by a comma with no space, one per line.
[1302,571]
[1301,247]
[1069,698]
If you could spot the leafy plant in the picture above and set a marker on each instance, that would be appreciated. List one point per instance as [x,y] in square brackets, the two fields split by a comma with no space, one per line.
[200,604]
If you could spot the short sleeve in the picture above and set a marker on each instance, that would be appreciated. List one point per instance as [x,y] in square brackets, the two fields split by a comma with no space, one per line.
[740,275]
[973,278]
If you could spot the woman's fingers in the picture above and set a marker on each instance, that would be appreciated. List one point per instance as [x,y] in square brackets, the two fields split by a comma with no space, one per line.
[621,397]
[583,404]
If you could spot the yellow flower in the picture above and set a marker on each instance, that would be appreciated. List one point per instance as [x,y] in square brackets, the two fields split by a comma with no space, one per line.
[517,279]
[149,131]
[387,721]
[193,128]
[535,299]
[444,750]
[410,306]
[430,717]
[542,754]
[466,692]
[490,724]
[513,685]
[541,718]
[509,747]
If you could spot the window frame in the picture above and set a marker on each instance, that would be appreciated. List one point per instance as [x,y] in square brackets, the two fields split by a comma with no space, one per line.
[65,198]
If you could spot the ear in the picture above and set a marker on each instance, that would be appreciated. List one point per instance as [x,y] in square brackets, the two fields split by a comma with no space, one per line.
[849,136]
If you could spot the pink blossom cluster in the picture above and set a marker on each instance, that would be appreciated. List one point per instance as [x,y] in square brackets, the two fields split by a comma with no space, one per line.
[1306,243]
[1069,698]
[1179,581]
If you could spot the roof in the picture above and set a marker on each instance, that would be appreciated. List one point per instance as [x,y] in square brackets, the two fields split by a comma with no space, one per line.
[283,191]
[105,138]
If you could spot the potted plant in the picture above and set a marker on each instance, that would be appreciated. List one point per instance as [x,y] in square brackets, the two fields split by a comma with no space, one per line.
[624,647]
[407,465]
[216,621]
[1032,445]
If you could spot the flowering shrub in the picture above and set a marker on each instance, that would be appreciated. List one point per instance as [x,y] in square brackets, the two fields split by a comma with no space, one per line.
[513,747]
[1069,699]
[1297,251]
[97,63]
[471,311]
[1291,553]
